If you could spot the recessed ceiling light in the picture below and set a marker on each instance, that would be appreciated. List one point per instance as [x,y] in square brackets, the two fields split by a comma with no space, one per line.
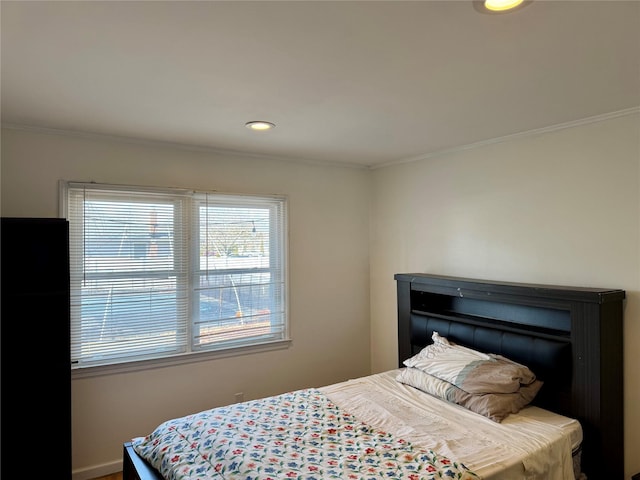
[259,125]
[501,5]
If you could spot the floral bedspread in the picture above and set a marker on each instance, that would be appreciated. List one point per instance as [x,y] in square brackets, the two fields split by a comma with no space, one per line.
[297,435]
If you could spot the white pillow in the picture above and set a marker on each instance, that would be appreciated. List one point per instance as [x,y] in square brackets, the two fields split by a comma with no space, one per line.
[470,370]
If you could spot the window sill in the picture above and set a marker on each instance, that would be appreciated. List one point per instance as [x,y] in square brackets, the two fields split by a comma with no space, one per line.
[141,365]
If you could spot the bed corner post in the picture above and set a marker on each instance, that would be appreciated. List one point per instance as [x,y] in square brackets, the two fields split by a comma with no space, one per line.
[134,467]
[127,467]
[404,317]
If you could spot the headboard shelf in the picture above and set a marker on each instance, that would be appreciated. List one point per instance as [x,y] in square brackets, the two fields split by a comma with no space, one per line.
[502,325]
[571,337]
[448,285]
[517,309]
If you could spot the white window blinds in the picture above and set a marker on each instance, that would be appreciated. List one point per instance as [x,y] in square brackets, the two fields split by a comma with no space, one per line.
[165,272]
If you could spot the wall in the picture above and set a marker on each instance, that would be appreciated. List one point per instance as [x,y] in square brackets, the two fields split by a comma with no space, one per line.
[329,275]
[560,208]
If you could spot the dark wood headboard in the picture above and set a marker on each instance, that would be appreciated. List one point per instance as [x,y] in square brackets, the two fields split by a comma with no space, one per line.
[571,337]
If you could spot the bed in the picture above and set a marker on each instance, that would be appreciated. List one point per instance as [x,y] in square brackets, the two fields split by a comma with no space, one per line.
[384,425]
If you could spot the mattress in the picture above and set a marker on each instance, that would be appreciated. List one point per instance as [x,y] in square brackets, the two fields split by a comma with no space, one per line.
[534,444]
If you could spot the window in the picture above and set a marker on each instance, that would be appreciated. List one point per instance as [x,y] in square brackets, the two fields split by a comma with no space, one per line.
[159,273]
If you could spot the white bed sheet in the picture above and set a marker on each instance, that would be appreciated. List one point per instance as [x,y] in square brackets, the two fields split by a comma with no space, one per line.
[534,444]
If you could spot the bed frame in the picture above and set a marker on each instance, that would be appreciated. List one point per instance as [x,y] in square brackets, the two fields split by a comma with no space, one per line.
[571,337]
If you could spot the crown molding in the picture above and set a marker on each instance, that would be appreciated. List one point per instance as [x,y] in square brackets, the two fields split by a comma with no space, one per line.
[514,136]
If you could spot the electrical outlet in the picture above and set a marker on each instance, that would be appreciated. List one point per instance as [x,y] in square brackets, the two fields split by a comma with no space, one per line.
[239,397]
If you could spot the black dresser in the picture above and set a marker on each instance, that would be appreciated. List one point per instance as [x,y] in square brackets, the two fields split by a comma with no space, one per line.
[35,332]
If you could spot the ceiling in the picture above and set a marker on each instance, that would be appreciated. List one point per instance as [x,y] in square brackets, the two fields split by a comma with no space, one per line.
[359,83]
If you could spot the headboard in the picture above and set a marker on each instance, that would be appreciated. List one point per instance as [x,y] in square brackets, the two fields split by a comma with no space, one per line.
[571,337]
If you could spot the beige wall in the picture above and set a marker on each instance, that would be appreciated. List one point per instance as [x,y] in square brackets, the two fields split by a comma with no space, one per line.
[558,208]
[329,274]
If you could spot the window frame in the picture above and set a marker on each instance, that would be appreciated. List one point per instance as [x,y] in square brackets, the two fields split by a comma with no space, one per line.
[191,223]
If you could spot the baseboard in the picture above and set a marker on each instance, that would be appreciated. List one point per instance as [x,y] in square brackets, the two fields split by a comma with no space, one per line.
[97,471]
